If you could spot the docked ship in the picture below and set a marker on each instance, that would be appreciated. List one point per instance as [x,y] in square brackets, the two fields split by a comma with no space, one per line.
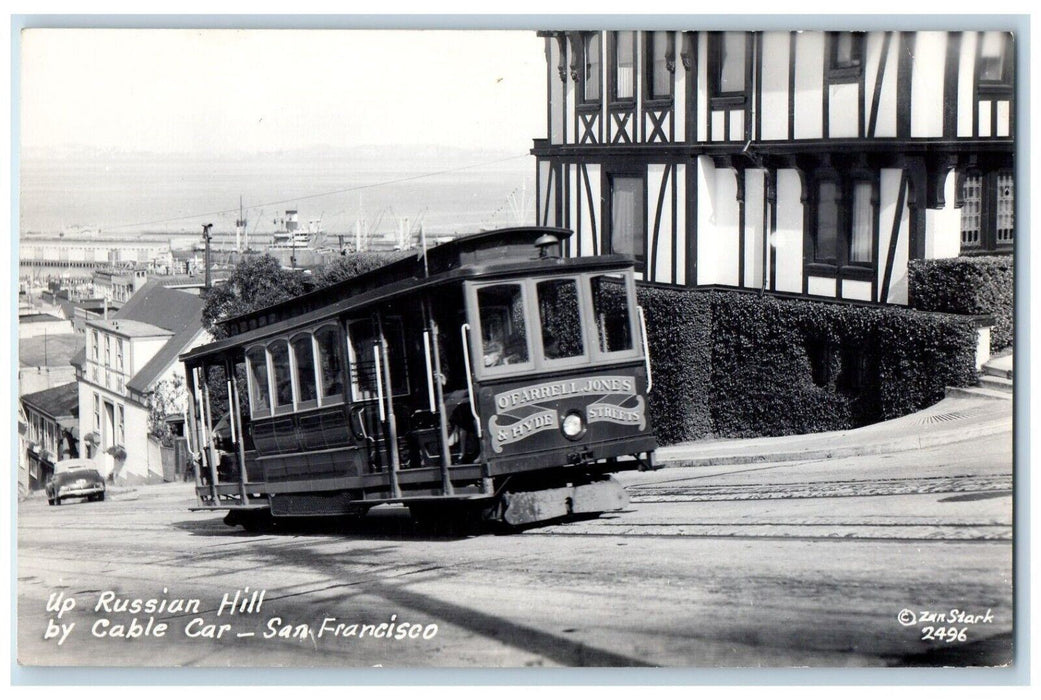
[292,237]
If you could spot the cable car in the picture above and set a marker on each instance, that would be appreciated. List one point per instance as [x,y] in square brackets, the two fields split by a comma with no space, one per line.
[488,375]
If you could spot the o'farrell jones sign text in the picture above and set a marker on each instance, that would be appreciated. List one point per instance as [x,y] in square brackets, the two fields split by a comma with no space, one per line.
[526,406]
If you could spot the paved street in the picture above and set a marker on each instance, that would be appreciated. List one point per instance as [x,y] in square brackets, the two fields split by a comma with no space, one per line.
[763,564]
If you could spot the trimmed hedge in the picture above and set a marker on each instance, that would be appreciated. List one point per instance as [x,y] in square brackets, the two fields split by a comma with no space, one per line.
[679,328]
[977,285]
[733,364]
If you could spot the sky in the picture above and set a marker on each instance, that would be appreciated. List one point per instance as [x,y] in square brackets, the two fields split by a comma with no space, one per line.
[228,91]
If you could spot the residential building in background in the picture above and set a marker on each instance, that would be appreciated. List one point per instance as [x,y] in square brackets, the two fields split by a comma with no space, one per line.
[808,163]
[51,432]
[125,357]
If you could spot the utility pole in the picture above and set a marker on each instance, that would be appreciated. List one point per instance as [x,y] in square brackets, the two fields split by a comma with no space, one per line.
[206,263]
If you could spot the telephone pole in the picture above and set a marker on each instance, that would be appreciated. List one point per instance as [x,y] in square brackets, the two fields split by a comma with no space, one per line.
[206,237]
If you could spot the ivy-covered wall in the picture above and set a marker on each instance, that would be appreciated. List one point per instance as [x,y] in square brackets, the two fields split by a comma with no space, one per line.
[977,285]
[733,364]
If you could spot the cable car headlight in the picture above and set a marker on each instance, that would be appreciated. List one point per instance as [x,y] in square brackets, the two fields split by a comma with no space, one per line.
[573,426]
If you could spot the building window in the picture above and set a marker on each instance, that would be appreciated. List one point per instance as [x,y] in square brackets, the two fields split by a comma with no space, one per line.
[995,59]
[591,69]
[95,345]
[845,55]
[108,351]
[728,64]
[661,52]
[627,232]
[623,66]
[862,225]
[988,212]
[826,235]
[844,223]
[119,354]
[97,412]
[1004,210]
[120,425]
[971,212]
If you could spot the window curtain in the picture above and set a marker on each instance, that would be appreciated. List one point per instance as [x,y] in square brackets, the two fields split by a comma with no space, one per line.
[860,248]
[591,82]
[659,48]
[624,65]
[626,216]
[827,222]
[732,63]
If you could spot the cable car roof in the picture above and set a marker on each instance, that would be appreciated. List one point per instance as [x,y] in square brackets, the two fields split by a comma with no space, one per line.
[486,254]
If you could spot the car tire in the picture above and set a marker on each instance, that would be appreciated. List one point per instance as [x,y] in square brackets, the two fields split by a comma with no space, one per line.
[50,501]
[100,497]
[57,501]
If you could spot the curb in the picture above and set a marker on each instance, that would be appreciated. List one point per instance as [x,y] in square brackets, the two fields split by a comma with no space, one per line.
[897,445]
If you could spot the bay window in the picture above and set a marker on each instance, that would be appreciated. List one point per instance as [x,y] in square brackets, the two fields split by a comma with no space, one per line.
[987,212]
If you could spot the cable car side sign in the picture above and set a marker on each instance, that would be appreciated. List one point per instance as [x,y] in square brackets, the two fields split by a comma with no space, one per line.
[527,413]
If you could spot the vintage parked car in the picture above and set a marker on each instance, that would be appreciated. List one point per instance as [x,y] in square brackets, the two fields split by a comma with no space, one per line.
[75,478]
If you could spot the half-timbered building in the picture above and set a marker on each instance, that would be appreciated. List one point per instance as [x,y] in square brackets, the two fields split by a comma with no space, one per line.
[813,163]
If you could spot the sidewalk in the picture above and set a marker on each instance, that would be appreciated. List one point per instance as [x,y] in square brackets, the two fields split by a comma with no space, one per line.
[953,419]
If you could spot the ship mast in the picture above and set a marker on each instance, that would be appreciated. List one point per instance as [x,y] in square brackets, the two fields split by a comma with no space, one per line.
[240,228]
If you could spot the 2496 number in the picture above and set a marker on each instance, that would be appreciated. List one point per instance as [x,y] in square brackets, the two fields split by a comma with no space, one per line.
[944,634]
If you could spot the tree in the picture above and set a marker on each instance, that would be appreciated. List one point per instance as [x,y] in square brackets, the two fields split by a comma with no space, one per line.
[348,266]
[170,397]
[258,281]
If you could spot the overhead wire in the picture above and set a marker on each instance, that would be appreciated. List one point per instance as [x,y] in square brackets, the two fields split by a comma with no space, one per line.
[329,193]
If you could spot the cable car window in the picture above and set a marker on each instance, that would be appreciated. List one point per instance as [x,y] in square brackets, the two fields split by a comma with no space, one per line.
[259,392]
[560,319]
[364,335]
[611,310]
[504,336]
[363,367]
[281,373]
[329,362]
[303,354]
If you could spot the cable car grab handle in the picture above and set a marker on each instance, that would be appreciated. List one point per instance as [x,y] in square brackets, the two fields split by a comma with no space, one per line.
[379,381]
[430,371]
[188,422]
[464,331]
[646,349]
[231,415]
